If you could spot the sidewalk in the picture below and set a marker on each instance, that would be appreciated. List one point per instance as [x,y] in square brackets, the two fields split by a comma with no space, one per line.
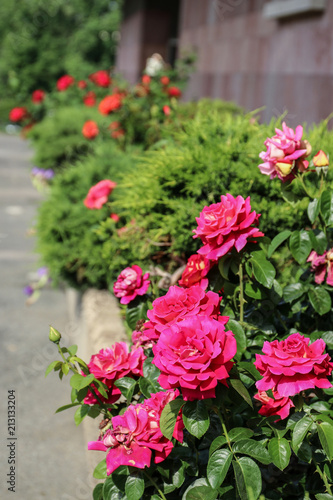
[50,451]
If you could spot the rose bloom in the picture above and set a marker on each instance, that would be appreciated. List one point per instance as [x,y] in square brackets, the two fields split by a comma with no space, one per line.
[110,103]
[115,217]
[64,82]
[18,114]
[90,129]
[89,99]
[286,153]
[195,272]
[179,304]
[292,365]
[322,264]
[278,405]
[166,110]
[38,96]
[165,80]
[225,225]
[140,339]
[136,434]
[100,78]
[174,92]
[82,84]
[117,134]
[194,354]
[146,79]
[111,364]
[98,194]
[131,283]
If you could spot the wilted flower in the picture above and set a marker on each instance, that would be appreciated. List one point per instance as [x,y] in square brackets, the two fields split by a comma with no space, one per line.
[131,283]
[322,264]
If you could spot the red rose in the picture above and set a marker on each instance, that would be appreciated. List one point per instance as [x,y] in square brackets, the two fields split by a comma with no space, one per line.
[100,78]
[115,217]
[110,103]
[131,283]
[225,225]
[81,84]
[146,79]
[64,82]
[166,110]
[89,99]
[38,96]
[194,354]
[98,194]
[90,129]
[196,269]
[174,92]
[274,406]
[165,80]
[292,365]
[18,114]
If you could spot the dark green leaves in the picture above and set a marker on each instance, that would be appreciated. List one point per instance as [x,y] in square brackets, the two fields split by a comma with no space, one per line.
[126,386]
[313,210]
[169,416]
[253,449]
[300,245]
[263,270]
[277,241]
[280,452]
[325,432]
[320,300]
[200,490]
[240,337]
[248,478]
[134,487]
[218,466]
[326,207]
[196,418]
[300,431]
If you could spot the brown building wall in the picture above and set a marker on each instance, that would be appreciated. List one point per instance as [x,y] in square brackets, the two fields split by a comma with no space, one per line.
[282,65]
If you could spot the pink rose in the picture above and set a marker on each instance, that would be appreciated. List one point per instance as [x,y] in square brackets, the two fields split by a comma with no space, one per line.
[136,433]
[196,269]
[131,283]
[225,225]
[194,354]
[322,264]
[113,363]
[285,154]
[292,365]
[101,78]
[38,96]
[18,114]
[64,82]
[181,303]
[98,194]
[278,405]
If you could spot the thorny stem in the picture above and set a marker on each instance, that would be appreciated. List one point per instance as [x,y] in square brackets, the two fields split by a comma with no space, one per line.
[323,477]
[241,293]
[153,482]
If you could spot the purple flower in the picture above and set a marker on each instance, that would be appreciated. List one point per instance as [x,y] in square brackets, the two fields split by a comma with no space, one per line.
[28,290]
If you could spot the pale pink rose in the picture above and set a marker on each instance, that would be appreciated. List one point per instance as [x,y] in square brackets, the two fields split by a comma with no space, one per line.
[131,283]
[278,405]
[292,365]
[285,154]
[225,225]
[194,355]
[98,194]
[195,272]
[322,264]
[136,434]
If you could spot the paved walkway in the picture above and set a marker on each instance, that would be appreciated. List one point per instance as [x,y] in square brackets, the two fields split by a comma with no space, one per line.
[50,451]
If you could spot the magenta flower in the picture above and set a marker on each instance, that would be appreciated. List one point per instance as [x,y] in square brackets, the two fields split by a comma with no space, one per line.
[286,153]
[194,354]
[136,433]
[292,365]
[278,405]
[225,225]
[195,272]
[322,264]
[131,283]
[98,194]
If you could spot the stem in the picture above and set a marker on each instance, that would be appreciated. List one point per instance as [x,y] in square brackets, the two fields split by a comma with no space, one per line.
[241,293]
[224,429]
[153,482]
[304,187]
[323,477]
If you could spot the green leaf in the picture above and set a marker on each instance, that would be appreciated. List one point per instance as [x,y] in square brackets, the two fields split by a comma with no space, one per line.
[200,490]
[97,493]
[324,496]
[328,339]
[134,487]
[135,311]
[80,413]
[150,371]
[79,382]
[196,418]
[248,478]
[318,241]
[242,390]
[254,449]
[252,290]
[320,300]
[238,433]
[110,490]
[249,368]
[100,470]
[293,291]
[65,368]
[216,444]
[325,432]
[240,337]
[313,210]
[72,350]
[263,270]
[218,466]
[147,387]
[300,431]
[280,452]
[169,416]
[326,206]
[224,266]
[52,366]
[63,408]
[102,388]
[126,386]
[300,245]
[277,241]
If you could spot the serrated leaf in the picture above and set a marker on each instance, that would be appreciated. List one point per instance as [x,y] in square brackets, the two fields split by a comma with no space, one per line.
[293,291]
[263,270]
[81,413]
[280,452]
[254,449]
[196,418]
[248,478]
[169,416]
[100,470]
[300,245]
[300,431]
[320,300]
[313,210]
[325,432]
[277,241]
[200,490]
[242,390]
[240,337]
[78,382]
[326,206]
[218,466]
[134,487]
[126,386]
[52,366]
